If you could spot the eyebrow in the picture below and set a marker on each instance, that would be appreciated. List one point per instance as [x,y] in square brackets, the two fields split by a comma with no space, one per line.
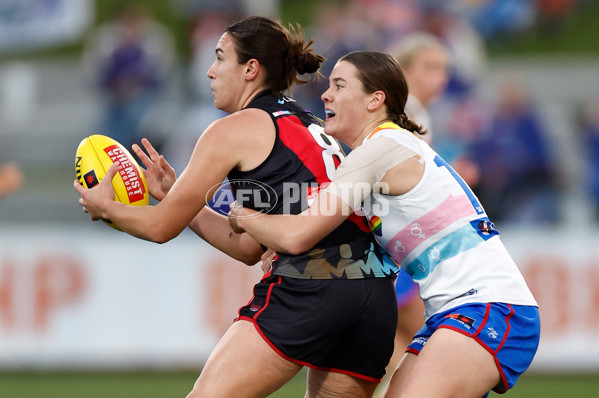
[338,79]
[218,49]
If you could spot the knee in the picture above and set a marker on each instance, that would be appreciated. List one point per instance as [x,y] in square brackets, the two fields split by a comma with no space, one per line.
[334,385]
[200,390]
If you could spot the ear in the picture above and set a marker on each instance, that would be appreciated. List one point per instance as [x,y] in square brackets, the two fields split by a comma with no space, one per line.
[377,99]
[252,69]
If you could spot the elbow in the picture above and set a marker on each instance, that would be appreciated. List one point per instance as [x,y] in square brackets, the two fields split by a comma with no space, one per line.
[250,257]
[250,260]
[160,235]
[296,244]
[296,249]
[161,239]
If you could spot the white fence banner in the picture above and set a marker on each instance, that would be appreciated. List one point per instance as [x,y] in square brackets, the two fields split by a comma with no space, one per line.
[94,297]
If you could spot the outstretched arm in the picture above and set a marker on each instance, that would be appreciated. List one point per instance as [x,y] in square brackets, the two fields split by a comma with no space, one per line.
[216,153]
[208,225]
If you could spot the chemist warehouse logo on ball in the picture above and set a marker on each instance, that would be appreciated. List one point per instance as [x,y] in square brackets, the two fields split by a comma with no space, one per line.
[294,196]
[129,173]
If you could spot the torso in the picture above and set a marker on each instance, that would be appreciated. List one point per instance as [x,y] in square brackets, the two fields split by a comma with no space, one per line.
[441,236]
[302,158]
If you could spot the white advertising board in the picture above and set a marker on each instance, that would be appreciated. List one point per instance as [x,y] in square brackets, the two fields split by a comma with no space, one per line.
[94,297]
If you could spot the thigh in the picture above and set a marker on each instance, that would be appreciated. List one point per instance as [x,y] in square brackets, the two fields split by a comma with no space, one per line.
[243,365]
[345,326]
[409,321]
[449,365]
[323,384]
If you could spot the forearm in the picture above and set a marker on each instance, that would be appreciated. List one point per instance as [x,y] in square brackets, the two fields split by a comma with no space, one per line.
[274,231]
[215,229]
[143,222]
[293,234]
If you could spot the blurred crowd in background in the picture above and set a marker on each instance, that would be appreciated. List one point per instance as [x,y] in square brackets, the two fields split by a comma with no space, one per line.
[129,62]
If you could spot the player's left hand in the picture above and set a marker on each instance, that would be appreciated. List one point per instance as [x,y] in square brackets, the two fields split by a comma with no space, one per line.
[94,200]
[267,259]
[160,175]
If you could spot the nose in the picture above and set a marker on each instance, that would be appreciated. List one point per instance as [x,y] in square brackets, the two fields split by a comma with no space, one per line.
[325,97]
[210,72]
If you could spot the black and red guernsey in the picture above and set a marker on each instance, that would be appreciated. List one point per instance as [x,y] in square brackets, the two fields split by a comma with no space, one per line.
[302,159]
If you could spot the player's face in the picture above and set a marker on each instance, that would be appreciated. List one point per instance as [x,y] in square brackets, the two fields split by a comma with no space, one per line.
[227,76]
[345,103]
[427,74]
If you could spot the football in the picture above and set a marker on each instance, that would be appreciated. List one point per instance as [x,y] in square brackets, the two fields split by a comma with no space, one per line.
[94,157]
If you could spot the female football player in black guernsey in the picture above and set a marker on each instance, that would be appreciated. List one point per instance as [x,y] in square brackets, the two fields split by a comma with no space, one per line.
[331,309]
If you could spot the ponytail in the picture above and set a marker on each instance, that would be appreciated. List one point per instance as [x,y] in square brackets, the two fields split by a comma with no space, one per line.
[406,123]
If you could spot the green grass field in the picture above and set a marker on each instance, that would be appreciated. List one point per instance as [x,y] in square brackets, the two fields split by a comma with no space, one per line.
[178,384]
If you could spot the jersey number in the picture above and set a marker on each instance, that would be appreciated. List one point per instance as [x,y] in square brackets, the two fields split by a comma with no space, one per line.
[330,149]
[475,203]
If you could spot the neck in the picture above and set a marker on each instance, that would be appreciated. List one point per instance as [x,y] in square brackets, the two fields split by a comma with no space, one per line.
[365,131]
[250,94]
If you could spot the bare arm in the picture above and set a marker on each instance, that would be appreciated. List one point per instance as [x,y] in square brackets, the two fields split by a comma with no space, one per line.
[216,153]
[355,179]
[293,234]
[207,224]
[215,229]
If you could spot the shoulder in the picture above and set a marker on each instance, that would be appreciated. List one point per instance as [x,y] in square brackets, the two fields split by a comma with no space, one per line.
[245,137]
[247,123]
[394,137]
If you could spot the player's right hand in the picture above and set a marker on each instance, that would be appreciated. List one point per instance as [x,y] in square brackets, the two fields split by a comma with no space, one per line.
[94,200]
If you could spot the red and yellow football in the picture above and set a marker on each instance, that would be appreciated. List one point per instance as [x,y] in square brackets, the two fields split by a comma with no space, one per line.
[94,157]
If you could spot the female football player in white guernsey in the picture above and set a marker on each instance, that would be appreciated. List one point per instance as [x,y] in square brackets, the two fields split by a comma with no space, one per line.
[482,323]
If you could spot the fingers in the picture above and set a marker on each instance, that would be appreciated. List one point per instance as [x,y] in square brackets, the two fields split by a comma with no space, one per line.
[232,216]
[152,155]
[267,259]
[164,165]
[110,173]
[78,187]
[142,156]
[150,149]
[234,209]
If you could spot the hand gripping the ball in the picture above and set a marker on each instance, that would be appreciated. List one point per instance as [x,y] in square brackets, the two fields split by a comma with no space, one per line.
[96,200]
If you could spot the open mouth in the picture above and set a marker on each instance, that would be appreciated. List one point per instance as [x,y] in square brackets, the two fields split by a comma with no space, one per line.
[329,113]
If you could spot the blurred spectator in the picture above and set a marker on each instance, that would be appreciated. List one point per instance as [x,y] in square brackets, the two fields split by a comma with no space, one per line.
[465,45]
[425,63]
[589,127]
[11,178]
[393,18]
[128,60]
[518,183]
[336,31]
[197,112]
[499,17]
